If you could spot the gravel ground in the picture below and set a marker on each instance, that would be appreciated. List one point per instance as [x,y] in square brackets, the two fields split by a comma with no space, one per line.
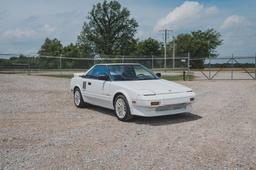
[40,128]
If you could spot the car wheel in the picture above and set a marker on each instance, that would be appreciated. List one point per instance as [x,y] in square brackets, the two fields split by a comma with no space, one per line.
[78,99]
[122,109]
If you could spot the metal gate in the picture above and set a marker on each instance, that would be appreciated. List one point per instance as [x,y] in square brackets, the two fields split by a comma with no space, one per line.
[233,68]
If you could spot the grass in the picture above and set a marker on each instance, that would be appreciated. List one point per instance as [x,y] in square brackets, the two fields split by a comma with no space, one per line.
[68,76]
[177,77]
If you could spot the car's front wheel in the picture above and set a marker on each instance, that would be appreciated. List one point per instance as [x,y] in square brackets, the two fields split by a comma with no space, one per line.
[122,108]
[78,99]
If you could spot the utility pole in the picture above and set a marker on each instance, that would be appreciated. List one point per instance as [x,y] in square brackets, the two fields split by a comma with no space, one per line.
[188,66]
[165,33]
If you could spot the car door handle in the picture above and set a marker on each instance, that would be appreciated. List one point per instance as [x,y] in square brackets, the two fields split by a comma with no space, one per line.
[89,83]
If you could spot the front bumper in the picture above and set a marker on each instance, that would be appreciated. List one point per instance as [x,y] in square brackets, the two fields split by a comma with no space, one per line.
[169,104]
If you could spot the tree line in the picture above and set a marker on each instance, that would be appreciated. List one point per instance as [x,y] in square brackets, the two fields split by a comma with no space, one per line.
[110,32]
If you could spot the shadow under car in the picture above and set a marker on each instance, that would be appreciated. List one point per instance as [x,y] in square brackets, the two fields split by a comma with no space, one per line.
[154,121]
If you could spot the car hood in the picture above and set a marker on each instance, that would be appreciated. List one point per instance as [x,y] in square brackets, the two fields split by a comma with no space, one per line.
[147,87]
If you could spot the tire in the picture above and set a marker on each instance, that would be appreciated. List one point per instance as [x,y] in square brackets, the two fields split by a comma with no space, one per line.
[122,109]
[78,99]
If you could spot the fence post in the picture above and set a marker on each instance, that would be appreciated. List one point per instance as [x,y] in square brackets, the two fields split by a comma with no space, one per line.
[38,63]
[28,66]
[232,66]
[60,62]
[173,53]
[255,68]
[152,62]
[123,59]
[209,67]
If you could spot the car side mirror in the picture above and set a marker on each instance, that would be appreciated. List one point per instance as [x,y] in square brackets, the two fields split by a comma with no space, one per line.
[83,76]
[103,77]
[158,75]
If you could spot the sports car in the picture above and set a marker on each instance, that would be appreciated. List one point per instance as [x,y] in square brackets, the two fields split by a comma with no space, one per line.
[130,89]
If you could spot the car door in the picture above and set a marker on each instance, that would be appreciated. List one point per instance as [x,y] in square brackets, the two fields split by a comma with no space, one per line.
[95,91]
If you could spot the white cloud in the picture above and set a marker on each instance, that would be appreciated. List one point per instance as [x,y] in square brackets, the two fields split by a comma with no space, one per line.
[48,29]
[18,33]
[211,10]
[188,12]
[28,33]
[234,21]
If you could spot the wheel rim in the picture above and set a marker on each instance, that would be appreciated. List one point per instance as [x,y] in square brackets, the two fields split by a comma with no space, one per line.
[77,97]
[120,108]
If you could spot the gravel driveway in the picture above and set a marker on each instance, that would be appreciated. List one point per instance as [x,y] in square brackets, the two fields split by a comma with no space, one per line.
[40,128]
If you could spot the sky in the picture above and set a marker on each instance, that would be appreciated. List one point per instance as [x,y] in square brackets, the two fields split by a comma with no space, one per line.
[24,24]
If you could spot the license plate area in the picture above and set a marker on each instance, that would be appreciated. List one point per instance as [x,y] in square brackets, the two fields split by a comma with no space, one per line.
[171,107]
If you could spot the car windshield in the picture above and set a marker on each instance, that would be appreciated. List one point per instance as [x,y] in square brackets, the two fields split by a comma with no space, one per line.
[130,72]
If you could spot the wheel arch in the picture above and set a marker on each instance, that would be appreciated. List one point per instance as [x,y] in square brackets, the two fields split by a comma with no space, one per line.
[121,93]
[75,87]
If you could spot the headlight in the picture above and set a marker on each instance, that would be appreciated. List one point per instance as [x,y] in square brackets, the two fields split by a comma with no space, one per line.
[144,92]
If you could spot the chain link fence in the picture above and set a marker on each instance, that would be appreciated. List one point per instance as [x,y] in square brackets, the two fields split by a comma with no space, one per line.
[239,67]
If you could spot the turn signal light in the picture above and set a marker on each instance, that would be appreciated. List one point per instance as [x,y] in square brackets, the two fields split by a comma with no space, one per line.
[155,103]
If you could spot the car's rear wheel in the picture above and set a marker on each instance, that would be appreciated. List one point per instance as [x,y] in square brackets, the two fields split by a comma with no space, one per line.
[78,99]
[122,109]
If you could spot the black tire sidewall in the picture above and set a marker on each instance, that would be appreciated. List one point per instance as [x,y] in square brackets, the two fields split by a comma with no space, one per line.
[128,115]
[81,104]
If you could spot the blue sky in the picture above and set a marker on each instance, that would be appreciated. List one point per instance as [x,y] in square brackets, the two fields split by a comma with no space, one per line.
[25,24]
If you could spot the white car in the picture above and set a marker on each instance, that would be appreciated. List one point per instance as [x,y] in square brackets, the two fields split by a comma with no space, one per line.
[130,89]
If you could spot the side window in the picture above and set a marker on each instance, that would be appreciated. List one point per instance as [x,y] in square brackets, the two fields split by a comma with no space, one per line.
[97,71]
[141,71]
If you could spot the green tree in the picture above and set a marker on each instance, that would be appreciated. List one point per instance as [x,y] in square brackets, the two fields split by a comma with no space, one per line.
[149,47]
[200,44]
[75,51]
[109,29]
[71,50]
[51,47]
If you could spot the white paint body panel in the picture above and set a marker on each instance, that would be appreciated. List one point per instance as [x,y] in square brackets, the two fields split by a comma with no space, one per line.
[143,92]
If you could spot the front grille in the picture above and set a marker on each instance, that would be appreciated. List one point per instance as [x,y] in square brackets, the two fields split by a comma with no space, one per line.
[171,107]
